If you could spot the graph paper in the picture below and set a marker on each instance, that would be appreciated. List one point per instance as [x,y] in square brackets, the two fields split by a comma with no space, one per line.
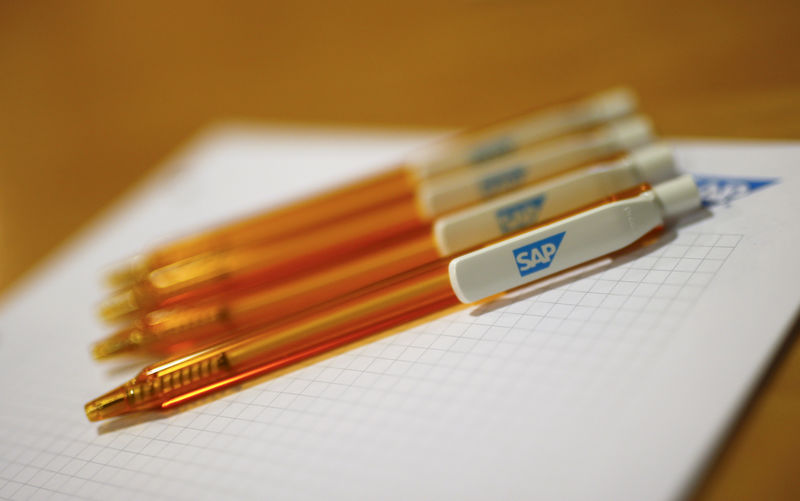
[555,391]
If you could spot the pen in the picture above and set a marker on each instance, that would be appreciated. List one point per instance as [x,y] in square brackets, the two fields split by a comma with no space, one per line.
[459,151]
[269,262]
[477,275]
[183,327]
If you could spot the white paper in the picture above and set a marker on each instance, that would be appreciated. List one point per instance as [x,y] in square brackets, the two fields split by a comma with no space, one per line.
[615,384]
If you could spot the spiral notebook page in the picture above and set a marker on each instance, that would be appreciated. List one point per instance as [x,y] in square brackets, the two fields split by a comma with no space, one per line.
[613,383]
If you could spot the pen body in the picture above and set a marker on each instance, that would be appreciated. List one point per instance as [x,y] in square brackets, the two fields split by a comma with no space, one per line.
[383,188]
[461,151]
[260,265]
[570,241]
[405,297]
[567,243]
[399,300]
[483,223]
[179,328]
[460,189]
[230,270]
[494,140]
[387,187]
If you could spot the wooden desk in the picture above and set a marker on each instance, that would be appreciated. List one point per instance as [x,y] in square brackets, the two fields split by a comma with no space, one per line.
[94,94]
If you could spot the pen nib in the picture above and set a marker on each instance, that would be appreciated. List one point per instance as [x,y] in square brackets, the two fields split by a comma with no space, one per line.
[119,306]
[127,274]
[113,403]
[121,342]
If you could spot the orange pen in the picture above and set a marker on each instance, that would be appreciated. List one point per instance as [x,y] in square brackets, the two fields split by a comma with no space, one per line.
[261,265]
[459,151]
[183,327]
[269,262]
[513,262]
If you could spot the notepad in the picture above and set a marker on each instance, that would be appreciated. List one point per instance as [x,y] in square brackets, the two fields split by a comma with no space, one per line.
[615,382]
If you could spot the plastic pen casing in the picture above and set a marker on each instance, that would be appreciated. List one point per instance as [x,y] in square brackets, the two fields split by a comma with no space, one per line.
[459,151]
[495,140]
[303,252]
[483,223]
[569,242]
[510,263]
[181,327]
[456,190]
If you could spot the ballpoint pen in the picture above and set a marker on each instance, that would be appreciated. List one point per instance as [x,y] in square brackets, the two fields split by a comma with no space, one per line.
[249,265]
[458,151]
[507,264]
[183,327]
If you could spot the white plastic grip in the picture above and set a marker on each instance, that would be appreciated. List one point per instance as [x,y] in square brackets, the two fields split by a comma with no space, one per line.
[677,197]
[572,241]
[462,188]
[476,225]
[464,150]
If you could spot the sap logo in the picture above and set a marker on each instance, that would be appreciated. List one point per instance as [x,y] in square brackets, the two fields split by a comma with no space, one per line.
[723,190]
[538,255]
[487,151]
[503,181]
[520,215]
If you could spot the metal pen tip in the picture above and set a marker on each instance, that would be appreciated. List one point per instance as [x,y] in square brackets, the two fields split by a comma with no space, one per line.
[113,403]
[124,341]
[127,274]
[119,305]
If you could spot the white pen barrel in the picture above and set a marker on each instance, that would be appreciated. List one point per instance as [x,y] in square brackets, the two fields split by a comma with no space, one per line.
[453,191]
[514,134]
[479,224]
[486,222]
[553,248]
[574,240]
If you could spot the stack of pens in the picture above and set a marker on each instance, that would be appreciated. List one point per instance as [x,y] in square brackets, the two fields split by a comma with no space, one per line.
[473,216]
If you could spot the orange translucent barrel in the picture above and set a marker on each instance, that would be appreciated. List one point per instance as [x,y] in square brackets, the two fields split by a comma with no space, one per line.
[276,224]
[259,265]
[389,304]
[182,328]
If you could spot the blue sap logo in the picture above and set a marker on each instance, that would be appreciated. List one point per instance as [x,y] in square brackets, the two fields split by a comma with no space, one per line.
[716,190]
[487,151]
[538,255]
[520,215]
[502,181]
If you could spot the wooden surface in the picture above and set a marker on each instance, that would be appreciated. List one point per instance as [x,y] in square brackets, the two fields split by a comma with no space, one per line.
[93,94]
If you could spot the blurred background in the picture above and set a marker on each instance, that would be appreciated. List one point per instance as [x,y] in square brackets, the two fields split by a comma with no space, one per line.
[94,94]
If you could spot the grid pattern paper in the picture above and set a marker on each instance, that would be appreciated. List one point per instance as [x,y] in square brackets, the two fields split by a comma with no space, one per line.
[615,382]
[532,360]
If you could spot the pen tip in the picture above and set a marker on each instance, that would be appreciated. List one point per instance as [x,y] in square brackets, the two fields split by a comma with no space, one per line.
[124,341]
[127,274]
[118,306]
[113,403]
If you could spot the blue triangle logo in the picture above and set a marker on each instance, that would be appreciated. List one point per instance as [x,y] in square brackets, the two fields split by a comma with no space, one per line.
[537,255]
[722,190]
[520,214]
